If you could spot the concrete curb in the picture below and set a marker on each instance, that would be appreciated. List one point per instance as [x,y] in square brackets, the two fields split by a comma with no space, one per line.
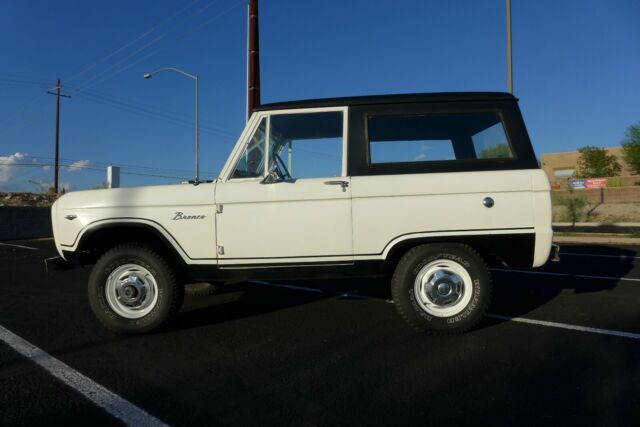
[598,224]
[615,239]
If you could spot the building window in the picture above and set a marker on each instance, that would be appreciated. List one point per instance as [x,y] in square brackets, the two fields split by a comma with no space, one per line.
[563,173]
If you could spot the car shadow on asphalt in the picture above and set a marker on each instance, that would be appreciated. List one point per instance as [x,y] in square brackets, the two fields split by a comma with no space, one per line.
[515,294]
[238,301]
[248,299]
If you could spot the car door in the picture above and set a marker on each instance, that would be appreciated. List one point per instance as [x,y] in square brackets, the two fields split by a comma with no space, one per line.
[287,199]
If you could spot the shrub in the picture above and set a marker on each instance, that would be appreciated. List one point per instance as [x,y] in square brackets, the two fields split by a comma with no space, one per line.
[575,208]
[614,182]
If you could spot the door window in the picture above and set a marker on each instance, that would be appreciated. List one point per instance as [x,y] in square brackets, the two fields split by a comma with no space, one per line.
[307,145]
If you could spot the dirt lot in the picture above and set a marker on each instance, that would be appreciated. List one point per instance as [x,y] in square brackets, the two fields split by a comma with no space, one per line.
[26,199]
[606,212]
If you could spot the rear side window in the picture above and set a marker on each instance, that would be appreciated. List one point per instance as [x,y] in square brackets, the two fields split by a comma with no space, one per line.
[431,138]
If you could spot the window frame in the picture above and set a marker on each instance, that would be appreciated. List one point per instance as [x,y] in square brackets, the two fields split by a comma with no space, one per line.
[508,112]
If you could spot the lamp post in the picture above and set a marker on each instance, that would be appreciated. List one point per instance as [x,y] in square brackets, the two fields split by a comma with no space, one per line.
[193,77]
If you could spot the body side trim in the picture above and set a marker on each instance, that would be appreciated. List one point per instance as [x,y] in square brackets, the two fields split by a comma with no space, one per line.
[224,262]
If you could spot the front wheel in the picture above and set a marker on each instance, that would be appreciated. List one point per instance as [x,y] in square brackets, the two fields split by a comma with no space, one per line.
[442,288]
[132,289]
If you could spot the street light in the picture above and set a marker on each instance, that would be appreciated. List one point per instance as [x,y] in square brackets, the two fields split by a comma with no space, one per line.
[191,76]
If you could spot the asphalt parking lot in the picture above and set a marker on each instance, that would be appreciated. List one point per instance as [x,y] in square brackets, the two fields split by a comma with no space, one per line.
[561,346]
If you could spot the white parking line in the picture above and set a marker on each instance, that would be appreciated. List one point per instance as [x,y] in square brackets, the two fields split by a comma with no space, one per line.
[18,246]
[566,326]
[600,331]
[599,256]
[582,276]
[115,405]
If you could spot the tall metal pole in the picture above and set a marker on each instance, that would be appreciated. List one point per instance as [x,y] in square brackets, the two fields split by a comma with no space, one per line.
[509,55]
[57,158]
[193,77]
[57,161]
[197,132]
[253,92]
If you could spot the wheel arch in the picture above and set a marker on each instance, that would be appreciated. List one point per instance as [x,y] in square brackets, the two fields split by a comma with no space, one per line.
[99,238]
[514,250]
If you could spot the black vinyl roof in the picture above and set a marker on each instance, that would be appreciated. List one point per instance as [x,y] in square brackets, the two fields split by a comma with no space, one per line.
[389,99]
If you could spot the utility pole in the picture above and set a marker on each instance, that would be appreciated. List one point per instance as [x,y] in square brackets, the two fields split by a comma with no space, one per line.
[253,83]
[57,162]
[509,56]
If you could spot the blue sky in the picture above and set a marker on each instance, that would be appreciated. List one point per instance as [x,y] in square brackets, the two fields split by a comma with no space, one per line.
[576,68]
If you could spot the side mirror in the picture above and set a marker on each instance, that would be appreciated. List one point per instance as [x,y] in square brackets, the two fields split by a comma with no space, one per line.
[272,178]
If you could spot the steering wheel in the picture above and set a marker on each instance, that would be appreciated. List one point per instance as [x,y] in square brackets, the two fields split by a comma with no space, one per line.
[279,164]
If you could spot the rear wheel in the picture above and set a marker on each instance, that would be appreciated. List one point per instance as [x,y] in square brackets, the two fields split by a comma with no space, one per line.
[442,288]
[133,289]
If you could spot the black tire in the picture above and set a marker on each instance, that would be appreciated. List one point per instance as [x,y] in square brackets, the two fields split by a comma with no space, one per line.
[170,292]
[200,289]
[469,309]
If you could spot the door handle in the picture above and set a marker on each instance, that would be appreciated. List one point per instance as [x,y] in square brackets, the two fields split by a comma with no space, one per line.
[343,184]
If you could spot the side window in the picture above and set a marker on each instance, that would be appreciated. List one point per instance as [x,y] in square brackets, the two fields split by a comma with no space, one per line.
[308,145]
[429,138]
[491,143]
[251,163]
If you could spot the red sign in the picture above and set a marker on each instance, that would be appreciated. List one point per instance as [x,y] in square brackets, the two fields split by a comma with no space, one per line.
[597,183]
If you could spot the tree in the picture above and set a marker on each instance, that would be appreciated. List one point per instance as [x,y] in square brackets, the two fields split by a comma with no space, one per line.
[500,151]
[103,184]
[574,208]
[631,148]
[594,162]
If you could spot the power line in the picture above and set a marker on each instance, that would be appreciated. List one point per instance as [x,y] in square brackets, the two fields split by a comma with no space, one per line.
[180,37]
[91,168]
[68,162]
[22,109]
[83,87]
[132,42]
[153,109]
[24,82]
[96,79]
[22,76]
[29,103]
[147,112]
[45,161]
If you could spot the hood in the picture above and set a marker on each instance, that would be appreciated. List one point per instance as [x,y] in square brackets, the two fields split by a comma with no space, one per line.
[161,195]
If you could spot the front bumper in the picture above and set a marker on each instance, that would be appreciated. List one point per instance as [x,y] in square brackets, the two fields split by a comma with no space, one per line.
[554,254]
[57,263]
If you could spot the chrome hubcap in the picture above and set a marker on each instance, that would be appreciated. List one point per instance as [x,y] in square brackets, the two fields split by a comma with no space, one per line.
[443,288]
[131,291]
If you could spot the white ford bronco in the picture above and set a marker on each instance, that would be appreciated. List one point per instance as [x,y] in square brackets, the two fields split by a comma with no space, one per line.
[426,189]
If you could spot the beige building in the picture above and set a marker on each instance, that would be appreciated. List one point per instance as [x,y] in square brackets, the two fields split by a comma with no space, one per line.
[560,167]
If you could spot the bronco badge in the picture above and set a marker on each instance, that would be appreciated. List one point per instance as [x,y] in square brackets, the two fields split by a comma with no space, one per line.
[180,215]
